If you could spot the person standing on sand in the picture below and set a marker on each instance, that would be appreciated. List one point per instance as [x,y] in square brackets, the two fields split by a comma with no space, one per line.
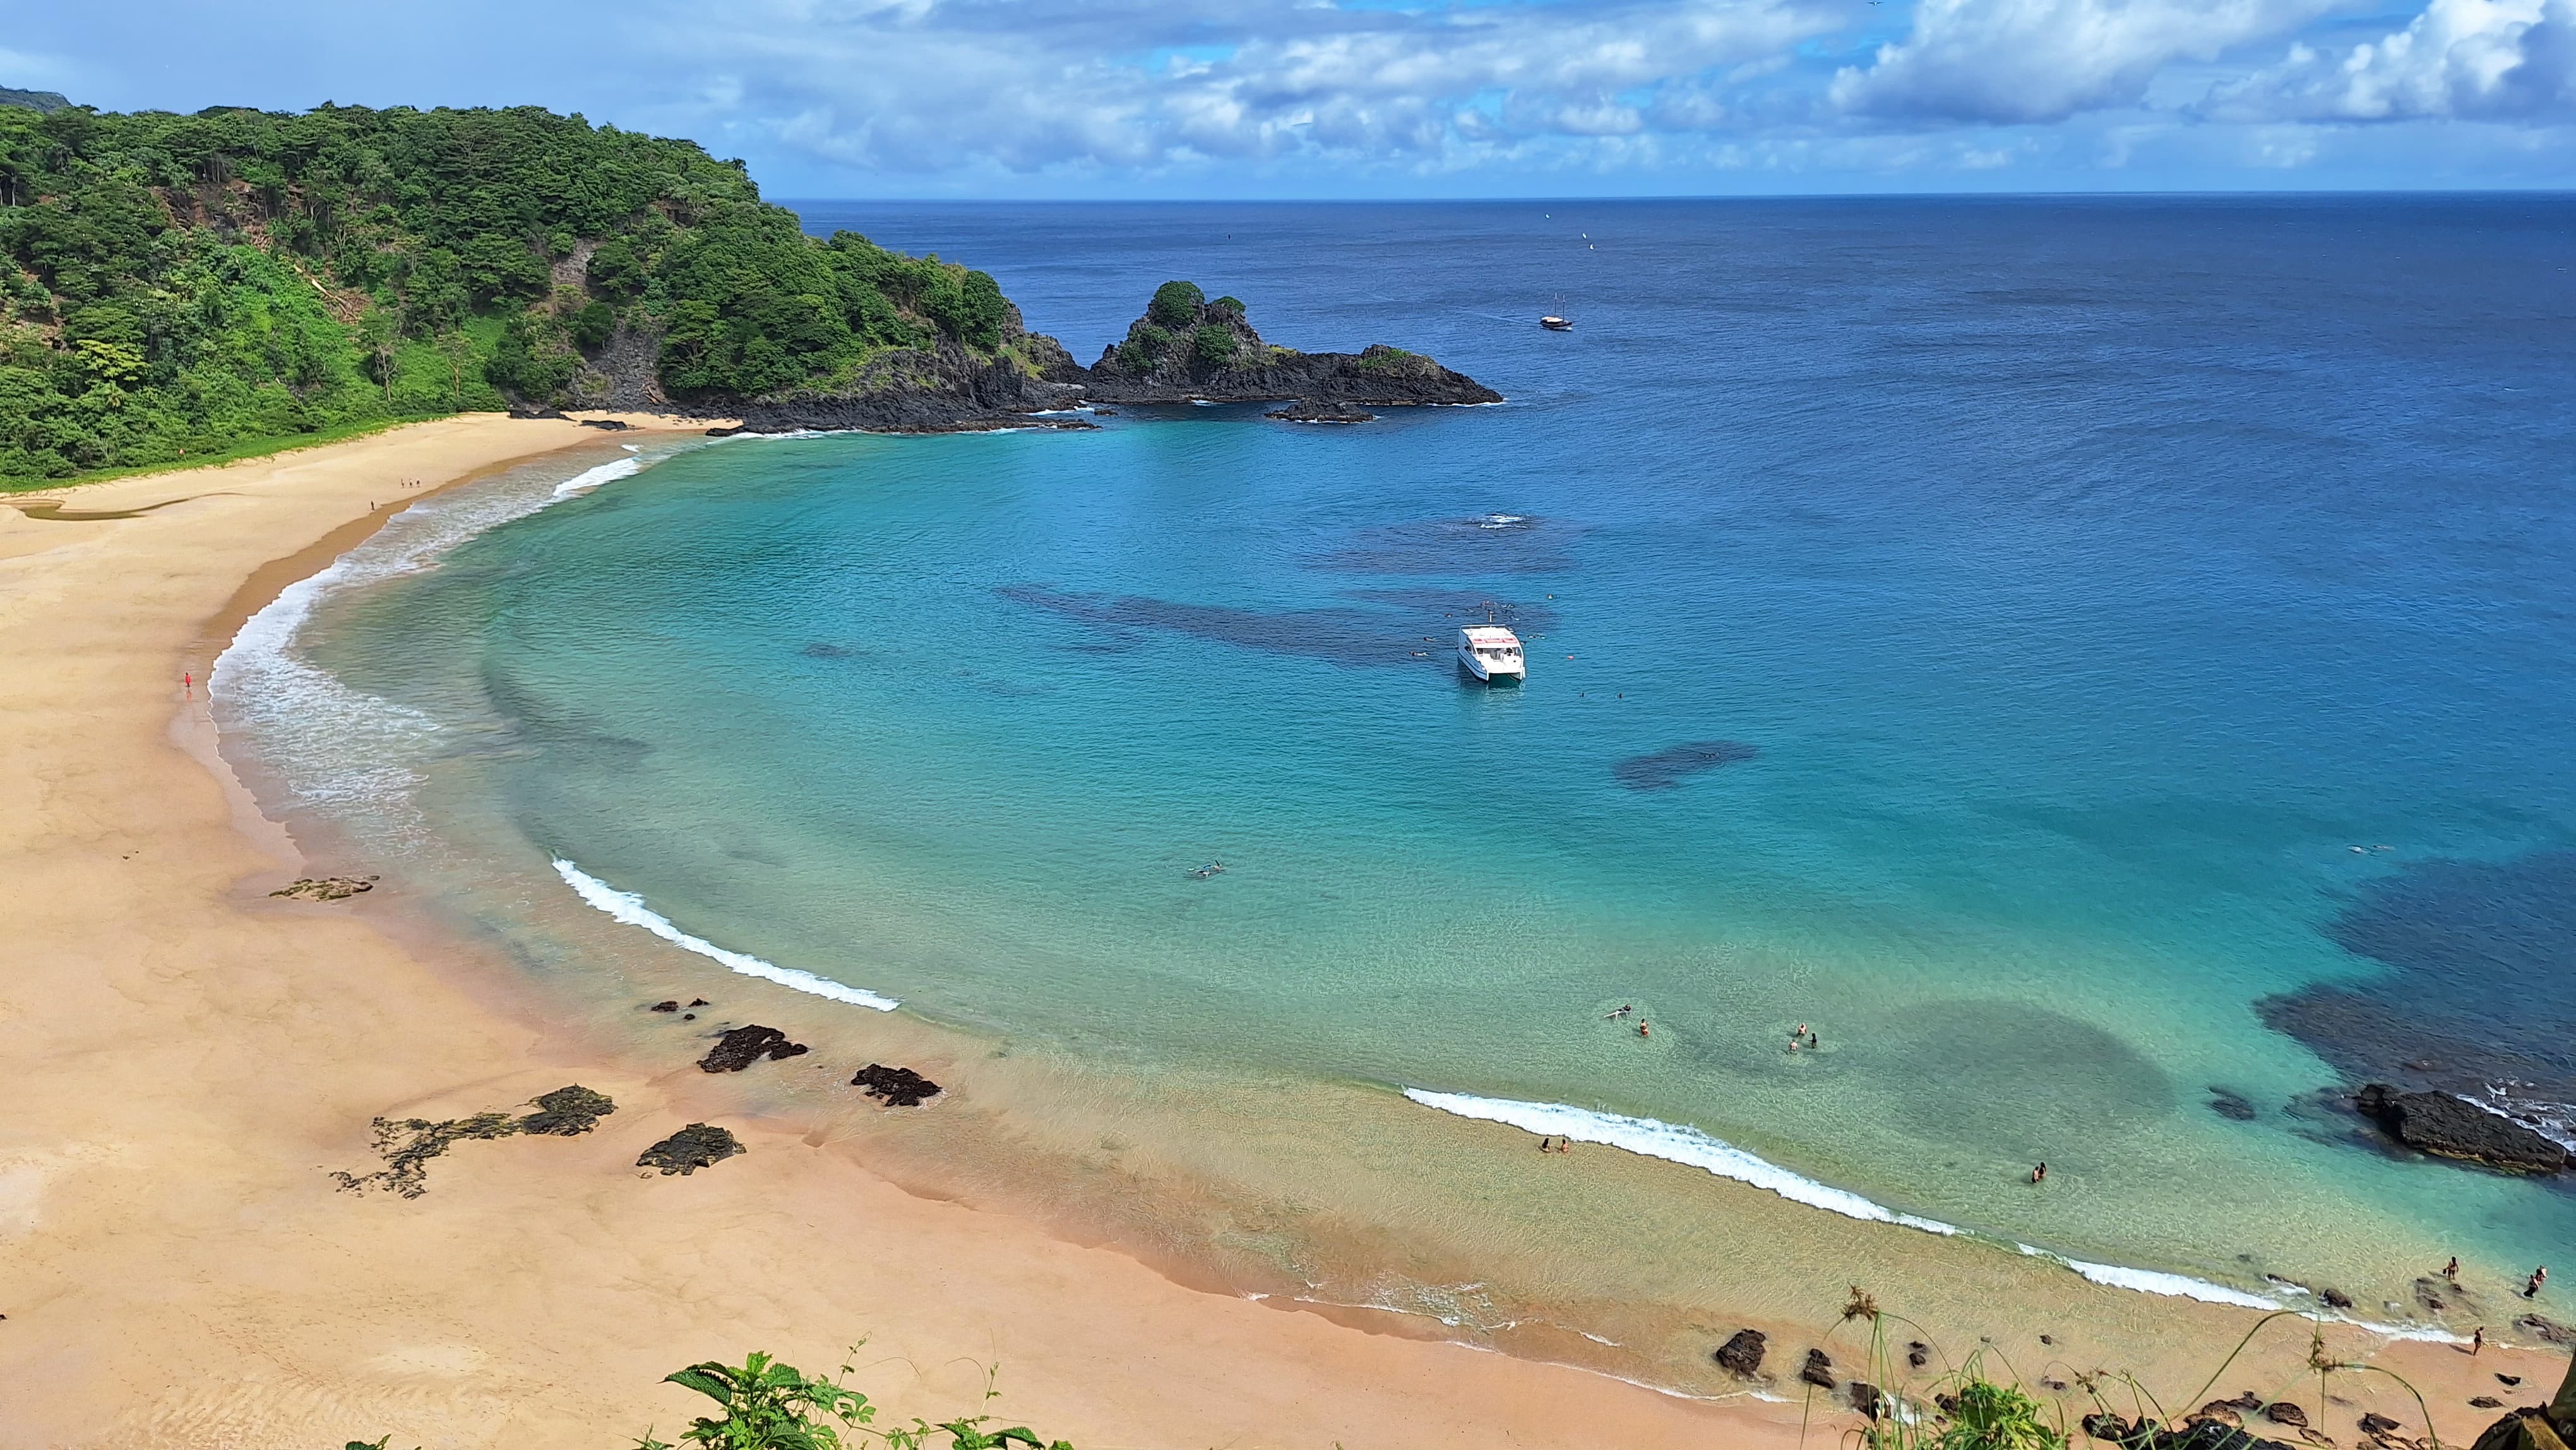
[2451,1270]
[2477,1340]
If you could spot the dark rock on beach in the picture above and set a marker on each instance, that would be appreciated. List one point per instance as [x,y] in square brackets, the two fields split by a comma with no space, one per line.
[1865,1397]
[694,1147]
[2282,1412]
[327,888]
[896,1087]
[743,1046]
[2207,1435]
[673,1005]
[2103,1425]
[2375,1424]
[2442,1124]
[1918,1354]
[534,410]
[408,1144]
[567,1112]
[1819,1369]
[1742,1354]
[611,425]
[2485,1402]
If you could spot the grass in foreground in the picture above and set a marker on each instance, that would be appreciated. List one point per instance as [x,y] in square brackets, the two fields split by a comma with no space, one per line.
[1978,1407]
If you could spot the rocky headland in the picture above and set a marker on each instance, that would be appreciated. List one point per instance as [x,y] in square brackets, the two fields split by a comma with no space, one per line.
[1184,349]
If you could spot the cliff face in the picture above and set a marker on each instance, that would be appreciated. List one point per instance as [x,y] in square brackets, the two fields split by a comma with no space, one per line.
[943,388]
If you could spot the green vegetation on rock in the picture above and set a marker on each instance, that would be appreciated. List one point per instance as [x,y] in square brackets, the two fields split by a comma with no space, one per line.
[1215,347]
[174,288]
[1176,304]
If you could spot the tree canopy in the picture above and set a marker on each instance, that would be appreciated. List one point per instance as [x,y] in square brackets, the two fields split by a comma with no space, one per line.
[176,286]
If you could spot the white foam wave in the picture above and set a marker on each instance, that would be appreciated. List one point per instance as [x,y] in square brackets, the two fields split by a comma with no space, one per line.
[334,744]
[1679,1144]
[629,907]
[2150,1281]
[590,478]
[1673,1143]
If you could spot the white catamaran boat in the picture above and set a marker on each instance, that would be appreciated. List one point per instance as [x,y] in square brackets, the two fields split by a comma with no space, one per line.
[1490,653]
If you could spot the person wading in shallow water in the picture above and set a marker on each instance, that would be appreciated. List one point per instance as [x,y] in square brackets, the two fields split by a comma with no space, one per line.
[2451,1270]
[2039,1174]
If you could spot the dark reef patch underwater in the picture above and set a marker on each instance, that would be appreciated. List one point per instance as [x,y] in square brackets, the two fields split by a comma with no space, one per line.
[1670,766]
[2480,995]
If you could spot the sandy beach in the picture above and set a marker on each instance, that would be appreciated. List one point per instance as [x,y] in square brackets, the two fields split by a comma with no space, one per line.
[190,1059]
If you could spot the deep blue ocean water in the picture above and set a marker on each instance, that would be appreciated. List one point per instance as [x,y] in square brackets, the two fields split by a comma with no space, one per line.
[2133,626]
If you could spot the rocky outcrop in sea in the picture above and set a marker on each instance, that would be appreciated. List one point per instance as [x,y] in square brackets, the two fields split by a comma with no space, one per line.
[1185,349]
[2442,1124]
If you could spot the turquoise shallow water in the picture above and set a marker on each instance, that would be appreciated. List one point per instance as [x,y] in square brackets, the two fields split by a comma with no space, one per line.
[2082,582]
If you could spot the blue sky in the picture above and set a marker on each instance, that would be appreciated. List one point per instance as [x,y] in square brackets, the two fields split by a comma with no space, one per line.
[1410,98]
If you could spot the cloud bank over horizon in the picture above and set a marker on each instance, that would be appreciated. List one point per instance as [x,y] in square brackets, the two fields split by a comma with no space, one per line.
[1409,97]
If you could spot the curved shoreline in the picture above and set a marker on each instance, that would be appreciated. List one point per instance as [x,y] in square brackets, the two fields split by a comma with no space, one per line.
[1648,1138]
[192,1056]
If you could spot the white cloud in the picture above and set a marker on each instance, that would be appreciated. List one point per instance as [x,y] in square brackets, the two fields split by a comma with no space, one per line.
[2026,61]
[1027,85]
[2475,59]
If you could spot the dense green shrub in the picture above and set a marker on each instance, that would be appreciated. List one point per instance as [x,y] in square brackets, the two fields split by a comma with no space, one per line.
[1176,305]
[1145,345]
[591,325]
[1215,346]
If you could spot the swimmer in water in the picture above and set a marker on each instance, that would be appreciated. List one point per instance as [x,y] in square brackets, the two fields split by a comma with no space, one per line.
[2039,1174]
[1642,1032]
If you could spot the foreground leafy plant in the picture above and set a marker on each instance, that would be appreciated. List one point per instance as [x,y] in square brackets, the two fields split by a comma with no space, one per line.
[768,1405]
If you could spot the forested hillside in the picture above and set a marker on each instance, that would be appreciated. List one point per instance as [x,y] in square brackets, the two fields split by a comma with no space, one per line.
[177,287]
